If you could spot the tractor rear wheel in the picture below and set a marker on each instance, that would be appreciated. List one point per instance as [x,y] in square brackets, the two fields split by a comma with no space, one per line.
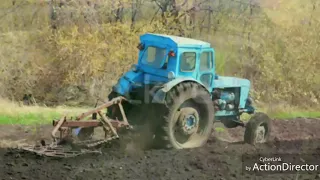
[189,118]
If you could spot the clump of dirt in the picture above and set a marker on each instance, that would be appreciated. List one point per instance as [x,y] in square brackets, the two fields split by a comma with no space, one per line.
[218,159]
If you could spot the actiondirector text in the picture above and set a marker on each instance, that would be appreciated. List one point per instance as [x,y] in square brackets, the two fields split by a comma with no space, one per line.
[280,166]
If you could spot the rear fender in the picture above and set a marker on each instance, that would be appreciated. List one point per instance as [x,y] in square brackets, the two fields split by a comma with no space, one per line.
[160,95]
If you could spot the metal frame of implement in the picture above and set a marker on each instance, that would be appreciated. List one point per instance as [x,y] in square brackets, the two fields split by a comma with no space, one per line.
[65,126]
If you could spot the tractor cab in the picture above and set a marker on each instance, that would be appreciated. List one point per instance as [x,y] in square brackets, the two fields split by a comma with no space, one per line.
[164,59]
[169,57]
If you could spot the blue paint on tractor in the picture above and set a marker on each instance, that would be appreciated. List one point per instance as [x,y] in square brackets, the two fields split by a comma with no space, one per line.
[190,121]
[166,61]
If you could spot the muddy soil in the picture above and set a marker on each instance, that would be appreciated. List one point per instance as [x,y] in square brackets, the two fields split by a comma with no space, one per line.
[219,159]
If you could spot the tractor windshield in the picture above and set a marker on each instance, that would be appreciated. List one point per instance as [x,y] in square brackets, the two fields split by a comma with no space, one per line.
[154,56]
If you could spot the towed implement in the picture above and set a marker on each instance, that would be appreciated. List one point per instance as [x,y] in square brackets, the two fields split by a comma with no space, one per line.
[74,137]
[172,97]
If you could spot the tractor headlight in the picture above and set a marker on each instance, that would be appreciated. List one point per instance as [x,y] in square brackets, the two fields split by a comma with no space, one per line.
[134,68]
[171,75]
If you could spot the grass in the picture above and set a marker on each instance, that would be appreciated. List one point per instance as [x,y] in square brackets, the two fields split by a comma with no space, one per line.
[13,113]
[288,115]
[220,129]
[301,114]
[285,112]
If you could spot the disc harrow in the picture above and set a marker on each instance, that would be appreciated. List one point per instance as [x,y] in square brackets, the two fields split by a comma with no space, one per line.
[67,145]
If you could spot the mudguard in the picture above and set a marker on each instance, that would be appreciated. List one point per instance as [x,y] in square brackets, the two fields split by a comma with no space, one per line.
[160,95]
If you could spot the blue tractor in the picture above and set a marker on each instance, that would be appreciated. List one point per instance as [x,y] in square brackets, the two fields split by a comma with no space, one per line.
[175,90]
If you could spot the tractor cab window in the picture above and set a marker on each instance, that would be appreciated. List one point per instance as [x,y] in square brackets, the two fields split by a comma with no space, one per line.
[188,61]
[154,56]
[206,61]
[165,65]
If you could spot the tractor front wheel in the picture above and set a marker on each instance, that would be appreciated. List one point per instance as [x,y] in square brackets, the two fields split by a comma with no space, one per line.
[188,119]
[257,129]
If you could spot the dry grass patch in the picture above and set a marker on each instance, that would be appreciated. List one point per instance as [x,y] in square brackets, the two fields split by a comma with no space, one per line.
[14,113]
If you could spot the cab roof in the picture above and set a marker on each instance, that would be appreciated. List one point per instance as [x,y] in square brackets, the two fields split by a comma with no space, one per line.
[175,40]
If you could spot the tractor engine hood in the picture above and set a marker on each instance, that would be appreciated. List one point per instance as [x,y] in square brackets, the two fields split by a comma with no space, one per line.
[128,81]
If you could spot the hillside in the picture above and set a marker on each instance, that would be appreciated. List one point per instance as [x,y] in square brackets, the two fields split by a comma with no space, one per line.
[293,12]
[74,53]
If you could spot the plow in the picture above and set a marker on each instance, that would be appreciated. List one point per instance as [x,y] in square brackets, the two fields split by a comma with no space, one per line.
[180,96]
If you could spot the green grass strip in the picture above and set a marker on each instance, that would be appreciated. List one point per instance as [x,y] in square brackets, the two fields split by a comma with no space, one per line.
[291,115]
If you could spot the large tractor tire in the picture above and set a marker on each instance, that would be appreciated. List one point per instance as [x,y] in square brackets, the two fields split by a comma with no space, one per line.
[188,119]
[257,129]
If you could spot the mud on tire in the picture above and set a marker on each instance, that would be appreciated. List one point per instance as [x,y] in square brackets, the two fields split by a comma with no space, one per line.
[185,103]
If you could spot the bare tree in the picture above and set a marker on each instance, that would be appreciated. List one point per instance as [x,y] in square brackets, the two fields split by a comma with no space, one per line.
[119,11]
[135,8]
[170,6]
